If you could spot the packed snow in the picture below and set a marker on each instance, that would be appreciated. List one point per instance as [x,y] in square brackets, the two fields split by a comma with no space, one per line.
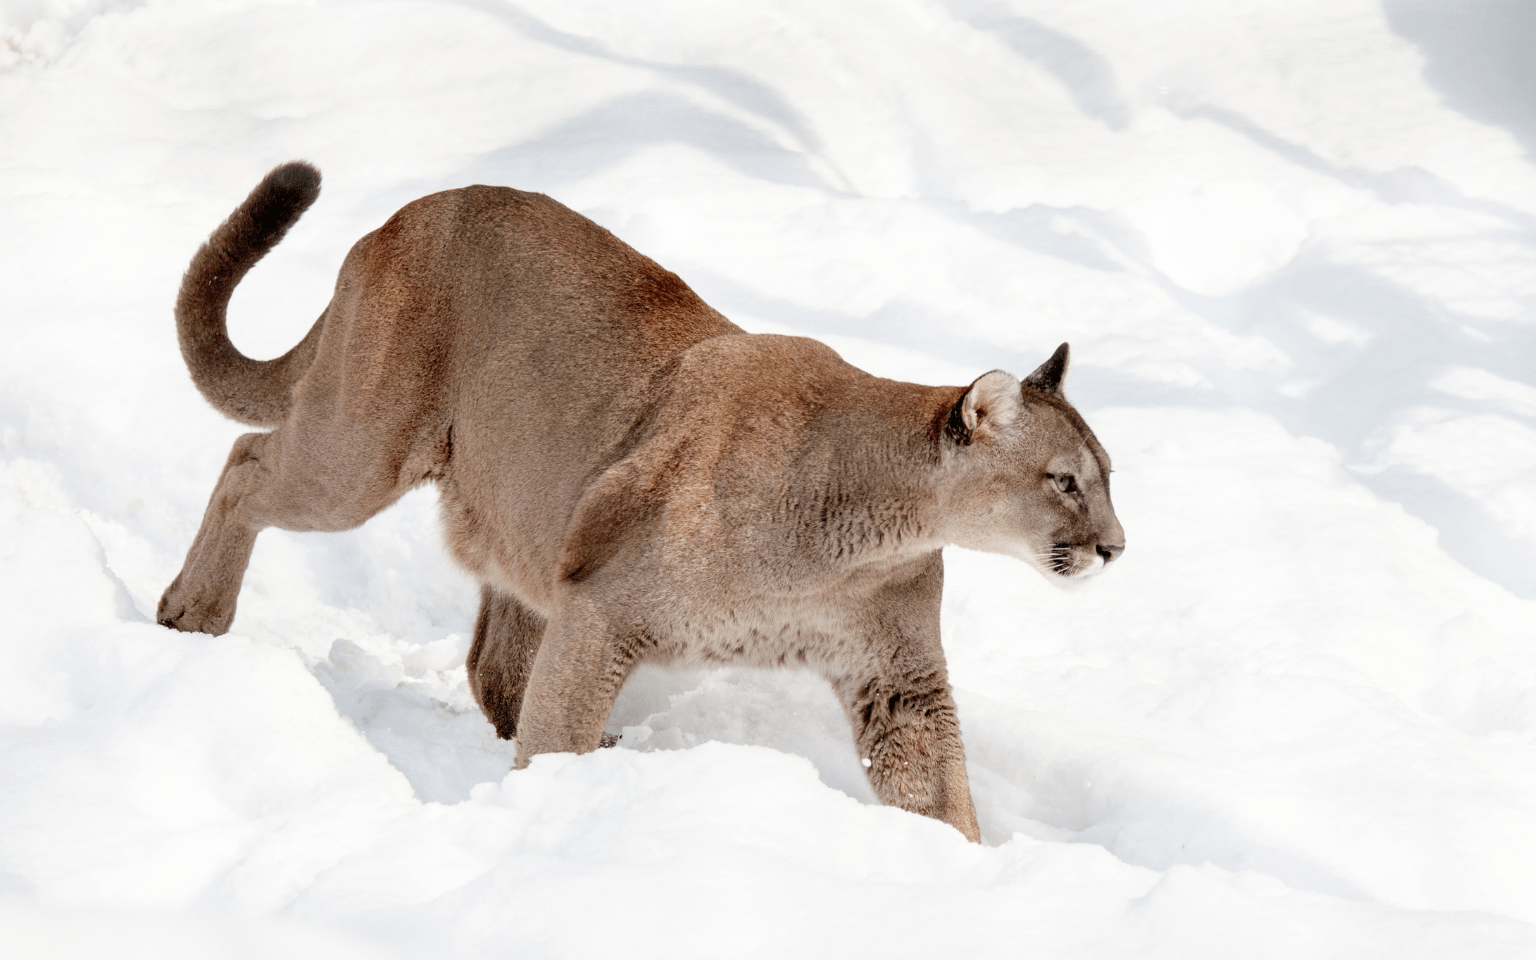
[1293,247]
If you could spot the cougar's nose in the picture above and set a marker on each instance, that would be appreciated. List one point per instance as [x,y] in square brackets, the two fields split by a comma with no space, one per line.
[1110,551]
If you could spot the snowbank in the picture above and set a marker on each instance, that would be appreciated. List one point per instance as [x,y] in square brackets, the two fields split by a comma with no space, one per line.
[1294,249]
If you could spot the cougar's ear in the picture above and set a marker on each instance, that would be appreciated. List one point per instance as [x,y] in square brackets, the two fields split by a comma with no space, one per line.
[1047,379]
[991,403]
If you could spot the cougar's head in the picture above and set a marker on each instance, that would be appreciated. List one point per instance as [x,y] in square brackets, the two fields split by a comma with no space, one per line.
[1027,477]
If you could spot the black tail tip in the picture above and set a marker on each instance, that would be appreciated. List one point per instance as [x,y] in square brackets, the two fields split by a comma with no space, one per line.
[297,182]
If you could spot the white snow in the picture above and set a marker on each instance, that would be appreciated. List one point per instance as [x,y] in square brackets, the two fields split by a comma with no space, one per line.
[1293,247]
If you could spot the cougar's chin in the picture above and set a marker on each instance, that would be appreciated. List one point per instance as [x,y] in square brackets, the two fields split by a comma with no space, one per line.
[1092,568]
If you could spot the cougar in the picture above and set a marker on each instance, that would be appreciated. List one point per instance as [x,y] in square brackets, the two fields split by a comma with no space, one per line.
[630,476]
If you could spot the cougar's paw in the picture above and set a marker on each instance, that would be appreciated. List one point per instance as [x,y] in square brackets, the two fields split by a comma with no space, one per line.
[191,614]
[609,740]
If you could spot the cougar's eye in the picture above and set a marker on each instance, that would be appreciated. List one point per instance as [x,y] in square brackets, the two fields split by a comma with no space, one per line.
[1065,482]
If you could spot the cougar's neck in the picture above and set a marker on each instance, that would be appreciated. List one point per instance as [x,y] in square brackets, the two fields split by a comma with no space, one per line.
[882,495]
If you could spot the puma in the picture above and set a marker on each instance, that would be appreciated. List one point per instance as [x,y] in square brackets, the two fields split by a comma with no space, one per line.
[630,476]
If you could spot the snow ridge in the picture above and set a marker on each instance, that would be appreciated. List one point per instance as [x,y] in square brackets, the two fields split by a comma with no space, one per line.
[1293,247]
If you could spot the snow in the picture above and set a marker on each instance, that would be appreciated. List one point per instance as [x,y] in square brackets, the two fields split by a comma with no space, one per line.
[1293,247]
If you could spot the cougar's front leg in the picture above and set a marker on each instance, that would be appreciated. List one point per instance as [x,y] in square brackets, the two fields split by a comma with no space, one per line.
[507,638]
[581,664]
[899,704]
[909,739]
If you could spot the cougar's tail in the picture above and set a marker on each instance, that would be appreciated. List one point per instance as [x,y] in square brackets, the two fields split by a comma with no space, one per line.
[257,392]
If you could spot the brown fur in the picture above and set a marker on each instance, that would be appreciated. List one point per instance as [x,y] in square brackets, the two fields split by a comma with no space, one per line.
[630,475]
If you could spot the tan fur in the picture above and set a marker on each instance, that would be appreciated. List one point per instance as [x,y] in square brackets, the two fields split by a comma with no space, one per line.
[630,475]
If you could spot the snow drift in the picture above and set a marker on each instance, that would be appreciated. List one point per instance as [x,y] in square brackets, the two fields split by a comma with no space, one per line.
[1294,249]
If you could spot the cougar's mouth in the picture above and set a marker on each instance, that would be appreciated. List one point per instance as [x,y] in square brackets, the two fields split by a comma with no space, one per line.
[1063,560]
[1059,559]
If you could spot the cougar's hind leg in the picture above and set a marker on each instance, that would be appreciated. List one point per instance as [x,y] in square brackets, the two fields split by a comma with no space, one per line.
[507,638]
[202,597]
[281,479]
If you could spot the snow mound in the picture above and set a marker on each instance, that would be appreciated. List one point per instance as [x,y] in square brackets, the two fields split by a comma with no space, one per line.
[1294,250]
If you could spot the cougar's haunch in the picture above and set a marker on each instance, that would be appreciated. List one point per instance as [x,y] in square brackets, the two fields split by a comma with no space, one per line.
[630,475]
